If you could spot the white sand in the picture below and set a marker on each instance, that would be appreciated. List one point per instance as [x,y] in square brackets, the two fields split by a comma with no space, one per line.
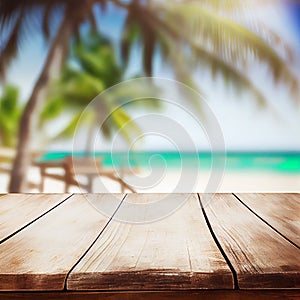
[176,181]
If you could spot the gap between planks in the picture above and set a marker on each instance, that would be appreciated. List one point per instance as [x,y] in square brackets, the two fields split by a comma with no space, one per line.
[265,221]
[234,274]
[48,262]
[103,270]
[249,244]
[92,244]
[34,219]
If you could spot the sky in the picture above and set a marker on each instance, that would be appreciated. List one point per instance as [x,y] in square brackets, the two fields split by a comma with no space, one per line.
[294,10]
[245,125]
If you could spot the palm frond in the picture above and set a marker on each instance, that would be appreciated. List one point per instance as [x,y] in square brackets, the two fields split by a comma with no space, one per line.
[95,56]
[125,124]
[228,72]
[69,130]
[244,12]
[276,41]
[52,109]
[149,47]
[8,10]
[222,5]
[201,56]
[10,50]
[130,35]
[9,99]
[51,15]
[10,112]
[230,6]
[76,87]
[18,18]
[231,41]
[181,67]
[146,94]
[138,27]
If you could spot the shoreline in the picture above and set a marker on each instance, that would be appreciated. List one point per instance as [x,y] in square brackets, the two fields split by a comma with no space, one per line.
[173,180]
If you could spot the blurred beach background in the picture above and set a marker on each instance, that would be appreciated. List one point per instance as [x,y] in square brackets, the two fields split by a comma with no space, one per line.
[249,76]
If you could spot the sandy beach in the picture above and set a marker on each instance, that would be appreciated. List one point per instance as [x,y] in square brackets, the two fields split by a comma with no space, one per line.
[171,181]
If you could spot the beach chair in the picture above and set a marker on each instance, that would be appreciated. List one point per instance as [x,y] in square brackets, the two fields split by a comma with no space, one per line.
[7,156]
[90,168]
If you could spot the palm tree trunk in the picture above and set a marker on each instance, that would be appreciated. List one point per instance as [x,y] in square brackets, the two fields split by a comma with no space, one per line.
[53,63]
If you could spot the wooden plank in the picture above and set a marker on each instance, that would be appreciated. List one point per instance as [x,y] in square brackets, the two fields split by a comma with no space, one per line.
[281,211]
[260,256]
[159,295]
[177,252]
[18,210]
[40,256]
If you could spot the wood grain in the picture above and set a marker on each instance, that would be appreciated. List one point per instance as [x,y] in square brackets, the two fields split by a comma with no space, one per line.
[40,256]
[18,210]
[281,211]
[176,252]
[259,255]
[160,295]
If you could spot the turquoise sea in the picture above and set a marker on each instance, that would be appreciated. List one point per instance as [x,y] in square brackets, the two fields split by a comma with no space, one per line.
[288,162]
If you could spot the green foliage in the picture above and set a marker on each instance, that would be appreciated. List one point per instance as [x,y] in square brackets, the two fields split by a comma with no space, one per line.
[189,35]
[95,55]
[10,112]
[90,69]
[52,110]
[22,19]
[69,130]
[120,120]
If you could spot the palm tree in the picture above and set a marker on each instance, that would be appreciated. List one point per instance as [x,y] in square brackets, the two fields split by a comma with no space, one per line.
[198,33]
[15,15]
[178,29]
[96,69]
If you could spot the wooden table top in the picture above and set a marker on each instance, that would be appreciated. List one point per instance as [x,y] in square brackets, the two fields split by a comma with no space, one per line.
[237,242]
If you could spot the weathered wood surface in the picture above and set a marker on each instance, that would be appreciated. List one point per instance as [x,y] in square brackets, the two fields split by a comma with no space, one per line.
[60,242]
[281,211]
[177,252]
[260,256]
[159,295]
[40,256]
[17,211]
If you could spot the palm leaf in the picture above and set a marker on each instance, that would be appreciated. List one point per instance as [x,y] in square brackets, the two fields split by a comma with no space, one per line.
[19,18]
[231,6]
[130,34]
[170,40]
[10,112]
[149,47]
[276,41]
[69,130]
[78,87]
[52,109]
[11,48]
[244,13]
[140,29]
[231,41]
[182,67]
[125,124]
[96,57]
[228,72]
